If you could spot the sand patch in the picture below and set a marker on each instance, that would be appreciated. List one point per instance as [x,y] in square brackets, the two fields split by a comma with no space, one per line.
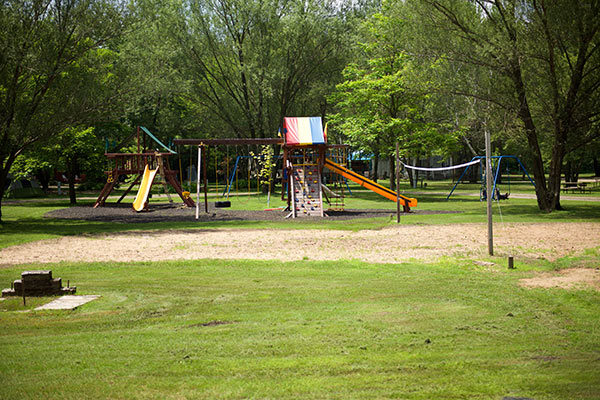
[571,278]
[393,244]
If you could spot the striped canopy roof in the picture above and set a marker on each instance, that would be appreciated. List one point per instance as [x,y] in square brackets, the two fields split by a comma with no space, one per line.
[303,131]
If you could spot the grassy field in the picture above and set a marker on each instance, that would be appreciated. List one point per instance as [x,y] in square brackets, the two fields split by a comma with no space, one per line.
[307,329]
[251,329]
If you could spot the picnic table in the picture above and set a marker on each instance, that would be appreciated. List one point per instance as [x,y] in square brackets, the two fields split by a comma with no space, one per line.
[581,187]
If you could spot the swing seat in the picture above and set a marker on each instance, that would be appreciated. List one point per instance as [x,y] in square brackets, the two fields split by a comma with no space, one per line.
[222,204]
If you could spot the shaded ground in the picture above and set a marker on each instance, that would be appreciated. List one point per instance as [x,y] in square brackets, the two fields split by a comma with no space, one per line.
[176,212]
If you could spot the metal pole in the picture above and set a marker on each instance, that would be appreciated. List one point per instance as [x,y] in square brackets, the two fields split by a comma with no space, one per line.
[397,182]
[198,182]
[204,176]
[488,188]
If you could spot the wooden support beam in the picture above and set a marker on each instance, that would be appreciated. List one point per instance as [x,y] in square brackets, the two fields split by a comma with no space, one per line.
[215,142]
[129,188]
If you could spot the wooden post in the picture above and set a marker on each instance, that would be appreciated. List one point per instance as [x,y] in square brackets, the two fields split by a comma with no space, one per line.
[397,182]
[198,183]
[488,189]
[204,167]
[23,291]
[161,171]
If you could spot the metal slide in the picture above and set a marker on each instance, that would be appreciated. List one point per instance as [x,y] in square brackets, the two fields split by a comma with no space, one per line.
[144,190]
[369,184]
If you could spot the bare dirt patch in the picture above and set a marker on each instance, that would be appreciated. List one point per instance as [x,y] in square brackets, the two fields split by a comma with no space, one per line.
[571,278]
[390,245]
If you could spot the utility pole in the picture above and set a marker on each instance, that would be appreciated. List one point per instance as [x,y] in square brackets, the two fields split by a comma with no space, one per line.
[198,181]
[397,182]
[488,190]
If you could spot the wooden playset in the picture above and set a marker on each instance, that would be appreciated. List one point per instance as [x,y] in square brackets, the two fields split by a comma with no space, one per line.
[144,165]
[305,155]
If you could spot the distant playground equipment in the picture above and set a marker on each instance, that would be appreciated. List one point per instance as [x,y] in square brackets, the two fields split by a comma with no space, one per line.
[61,177]
[305,152]
[144,165]
[496,173]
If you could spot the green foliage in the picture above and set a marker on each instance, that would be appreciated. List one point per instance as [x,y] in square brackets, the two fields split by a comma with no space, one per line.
[250,63]
[383,101]
[55,69]
[529,71]
[266,164]
[305,329]
[27,166]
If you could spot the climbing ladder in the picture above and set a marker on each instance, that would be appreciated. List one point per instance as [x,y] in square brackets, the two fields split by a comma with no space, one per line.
[307,199]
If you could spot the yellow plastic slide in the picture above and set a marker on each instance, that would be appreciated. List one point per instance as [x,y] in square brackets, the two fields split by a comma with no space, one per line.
[369,184]
[142,195]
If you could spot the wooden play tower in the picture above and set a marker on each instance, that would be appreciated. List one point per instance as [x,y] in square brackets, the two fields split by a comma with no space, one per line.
[305,155]
[125,164]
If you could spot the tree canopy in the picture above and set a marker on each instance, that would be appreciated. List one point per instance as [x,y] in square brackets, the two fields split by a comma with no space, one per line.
[432,75]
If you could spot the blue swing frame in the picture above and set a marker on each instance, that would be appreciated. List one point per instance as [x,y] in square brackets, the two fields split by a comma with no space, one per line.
[496,161]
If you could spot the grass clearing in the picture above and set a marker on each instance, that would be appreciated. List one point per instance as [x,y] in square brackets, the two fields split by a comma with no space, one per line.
[306,329]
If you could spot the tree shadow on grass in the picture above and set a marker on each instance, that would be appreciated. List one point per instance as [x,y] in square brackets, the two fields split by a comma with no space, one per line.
[571,212]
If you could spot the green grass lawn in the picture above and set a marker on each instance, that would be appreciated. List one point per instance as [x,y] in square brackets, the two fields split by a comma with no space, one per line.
[337,330]
[307,329]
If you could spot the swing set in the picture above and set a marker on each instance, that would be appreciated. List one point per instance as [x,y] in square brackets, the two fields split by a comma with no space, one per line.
[496,174]
[230,174]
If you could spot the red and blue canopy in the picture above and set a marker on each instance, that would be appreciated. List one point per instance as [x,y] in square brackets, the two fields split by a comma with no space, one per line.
[303,131]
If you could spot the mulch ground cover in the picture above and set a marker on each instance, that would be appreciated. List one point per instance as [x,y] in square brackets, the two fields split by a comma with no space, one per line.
[176,212]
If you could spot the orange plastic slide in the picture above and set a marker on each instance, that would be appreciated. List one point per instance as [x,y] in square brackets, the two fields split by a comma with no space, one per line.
[369,184]
[142,195]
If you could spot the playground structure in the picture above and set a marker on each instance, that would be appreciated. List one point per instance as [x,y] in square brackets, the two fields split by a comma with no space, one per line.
[144,165]
[305,151]
[496,162]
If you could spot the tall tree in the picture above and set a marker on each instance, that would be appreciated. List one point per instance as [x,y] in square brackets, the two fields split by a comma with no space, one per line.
[383,100]
[250,62]
[543,63]
[40,42]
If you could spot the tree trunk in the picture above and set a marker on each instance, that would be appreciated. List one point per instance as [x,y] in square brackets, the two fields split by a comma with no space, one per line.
[10,157]
[415,173]
[71,168]
[596,167]
[392,174]
[568,171]
[409,173]
[375,167]
[545,199]
[554,179]
[577,168]
[43,177]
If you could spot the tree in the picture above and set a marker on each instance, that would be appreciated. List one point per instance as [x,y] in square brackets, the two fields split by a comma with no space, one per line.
[251,62]
[40,43]
[75,151]
[543,62]
[383,101]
